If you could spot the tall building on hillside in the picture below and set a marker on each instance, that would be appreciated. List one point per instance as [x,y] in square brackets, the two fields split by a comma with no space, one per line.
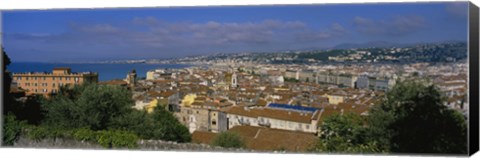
[234,81]
[131,78]
[48,83]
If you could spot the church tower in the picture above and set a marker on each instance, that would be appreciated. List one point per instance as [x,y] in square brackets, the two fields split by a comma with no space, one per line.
[132,78]
[234,80]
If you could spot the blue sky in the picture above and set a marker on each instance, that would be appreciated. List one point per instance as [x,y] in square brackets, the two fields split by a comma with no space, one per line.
[142,33]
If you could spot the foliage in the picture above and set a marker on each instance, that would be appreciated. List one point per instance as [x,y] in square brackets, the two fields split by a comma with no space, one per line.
[84,134]
[291,80]
[410,119]
[160,124]
[229,140]
[44,132]
[7,80]
[11,129]
[116,139]
[413,119]
[108,139]
[38,133]
[31,110]
[88,106]
[100,107]
[345,133]
[173,130]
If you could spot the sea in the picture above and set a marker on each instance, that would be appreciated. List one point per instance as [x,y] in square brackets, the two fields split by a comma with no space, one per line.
[105,71]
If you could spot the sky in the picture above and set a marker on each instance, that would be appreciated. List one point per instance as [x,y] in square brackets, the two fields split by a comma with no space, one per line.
[146,33]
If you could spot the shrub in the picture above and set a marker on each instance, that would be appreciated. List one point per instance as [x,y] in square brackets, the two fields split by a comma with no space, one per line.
[228,140]
[117,139]
[11,129]
[44,132]
[160,124]
[412,118]
[84,134]
[87,105]
[37,133]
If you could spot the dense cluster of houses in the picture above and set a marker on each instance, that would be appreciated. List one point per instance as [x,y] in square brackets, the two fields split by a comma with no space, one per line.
[281,100]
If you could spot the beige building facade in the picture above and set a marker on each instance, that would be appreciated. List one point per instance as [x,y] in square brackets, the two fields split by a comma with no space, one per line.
[48,83]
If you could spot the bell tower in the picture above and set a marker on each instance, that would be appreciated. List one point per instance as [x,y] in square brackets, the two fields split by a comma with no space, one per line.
[234,83]
[132,78]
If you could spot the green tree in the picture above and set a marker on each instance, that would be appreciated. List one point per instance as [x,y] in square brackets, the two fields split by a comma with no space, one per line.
[229,140]
[108,138]
[88,106]
[345,133]
[30,110]
[116,139]
[172,129]
[414,119]
[11,129]
[160,124]
[7,80]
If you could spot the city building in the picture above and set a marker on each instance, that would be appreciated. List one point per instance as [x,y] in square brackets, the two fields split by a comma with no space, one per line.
[292,74]
[276,118]
[47,83]
[131,78]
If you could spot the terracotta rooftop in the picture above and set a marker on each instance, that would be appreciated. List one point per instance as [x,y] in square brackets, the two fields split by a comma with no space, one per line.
[114,82]
[273,113]
[203,137]
[267,139]
[61,68]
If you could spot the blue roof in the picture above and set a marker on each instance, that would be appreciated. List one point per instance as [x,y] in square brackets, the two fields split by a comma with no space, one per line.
[292,107]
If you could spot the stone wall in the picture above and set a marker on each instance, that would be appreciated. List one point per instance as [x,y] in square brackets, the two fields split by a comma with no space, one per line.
[61,143]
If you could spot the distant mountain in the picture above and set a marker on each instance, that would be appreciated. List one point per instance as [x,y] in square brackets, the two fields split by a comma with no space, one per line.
[385,44]
[378,44]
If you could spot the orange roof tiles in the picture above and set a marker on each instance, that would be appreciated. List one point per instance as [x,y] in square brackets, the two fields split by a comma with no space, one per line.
[267,139]
[273,113]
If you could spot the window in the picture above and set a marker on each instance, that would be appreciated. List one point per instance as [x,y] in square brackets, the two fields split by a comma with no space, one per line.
[53,78]
[36,90]
[197,111]
[35,78]
[35,84]
[26,78]
[19,78]
[60,78]
[53,84]
[214,122]
[67,78]
[76,79]
[307,126]
[44,78]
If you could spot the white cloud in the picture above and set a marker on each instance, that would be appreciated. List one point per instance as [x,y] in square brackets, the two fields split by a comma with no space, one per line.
[399,25]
